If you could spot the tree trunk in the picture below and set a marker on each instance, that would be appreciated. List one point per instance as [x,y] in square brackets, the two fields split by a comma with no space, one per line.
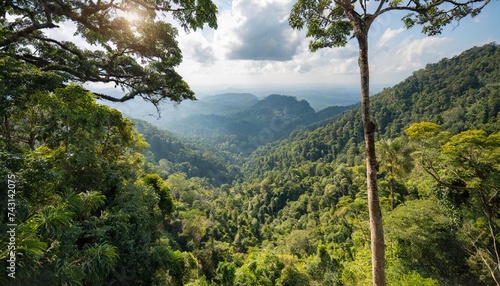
[376,229]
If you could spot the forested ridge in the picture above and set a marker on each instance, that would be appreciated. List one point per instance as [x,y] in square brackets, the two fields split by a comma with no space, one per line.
[98,205]
[169,154]
[459,93]
[247,123]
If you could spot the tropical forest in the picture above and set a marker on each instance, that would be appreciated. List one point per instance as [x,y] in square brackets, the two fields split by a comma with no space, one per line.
[247,190]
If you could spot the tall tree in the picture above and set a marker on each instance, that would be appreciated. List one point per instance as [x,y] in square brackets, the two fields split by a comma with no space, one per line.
[466,165]
[394,161]
[331,23]
[126,43]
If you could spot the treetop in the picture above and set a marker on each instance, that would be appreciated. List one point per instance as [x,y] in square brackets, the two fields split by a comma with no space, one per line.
[129,43]
[331,23]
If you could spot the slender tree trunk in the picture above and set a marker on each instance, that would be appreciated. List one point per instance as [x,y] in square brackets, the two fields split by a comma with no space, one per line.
[391,189]
[376,229]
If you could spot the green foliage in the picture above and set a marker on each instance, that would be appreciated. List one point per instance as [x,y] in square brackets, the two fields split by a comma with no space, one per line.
[414,279]
[427,95]
[98,261]
[395,162]
[51,221]
[334,30]
[465,167]
[92,212]
[298,195]
[292,276]
[332,23]
[226,273]
[169,265]
[231,123]
[323,268]
[137,55]
[424,239]
[422,130]
[298,243]
[260,269]
[434,15]
[171,155]
[165,203]
[82,220]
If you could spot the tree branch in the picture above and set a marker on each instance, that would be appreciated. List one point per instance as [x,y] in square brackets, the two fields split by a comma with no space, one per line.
[114,99]
[428,167]
[423,9]
[380,5]
[25,33]
[64,46]
[483,259]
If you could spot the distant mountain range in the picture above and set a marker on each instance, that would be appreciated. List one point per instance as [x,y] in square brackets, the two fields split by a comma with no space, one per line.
[319,97]
[459,93]
[250,121]
[215,131]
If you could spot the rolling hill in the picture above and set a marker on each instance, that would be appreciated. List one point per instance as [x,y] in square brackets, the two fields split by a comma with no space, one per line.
[250,126]
[458,93]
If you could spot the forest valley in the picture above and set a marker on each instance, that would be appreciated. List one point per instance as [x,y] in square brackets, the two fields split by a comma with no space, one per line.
[100,200]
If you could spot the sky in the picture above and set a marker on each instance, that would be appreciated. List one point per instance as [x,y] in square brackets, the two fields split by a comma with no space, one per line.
[254,50]
[253,46]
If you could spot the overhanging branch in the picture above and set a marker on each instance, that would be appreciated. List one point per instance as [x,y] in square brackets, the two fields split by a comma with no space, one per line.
[423,9]
[12,38]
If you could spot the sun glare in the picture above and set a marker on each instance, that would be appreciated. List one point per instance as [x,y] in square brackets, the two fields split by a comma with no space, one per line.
[132,16]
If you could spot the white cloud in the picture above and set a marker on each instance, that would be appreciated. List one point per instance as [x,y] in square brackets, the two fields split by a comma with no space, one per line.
[414,54]
[388,35]
[196,47]
[261,32]
[254,44]
[66,32]
[398,60]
